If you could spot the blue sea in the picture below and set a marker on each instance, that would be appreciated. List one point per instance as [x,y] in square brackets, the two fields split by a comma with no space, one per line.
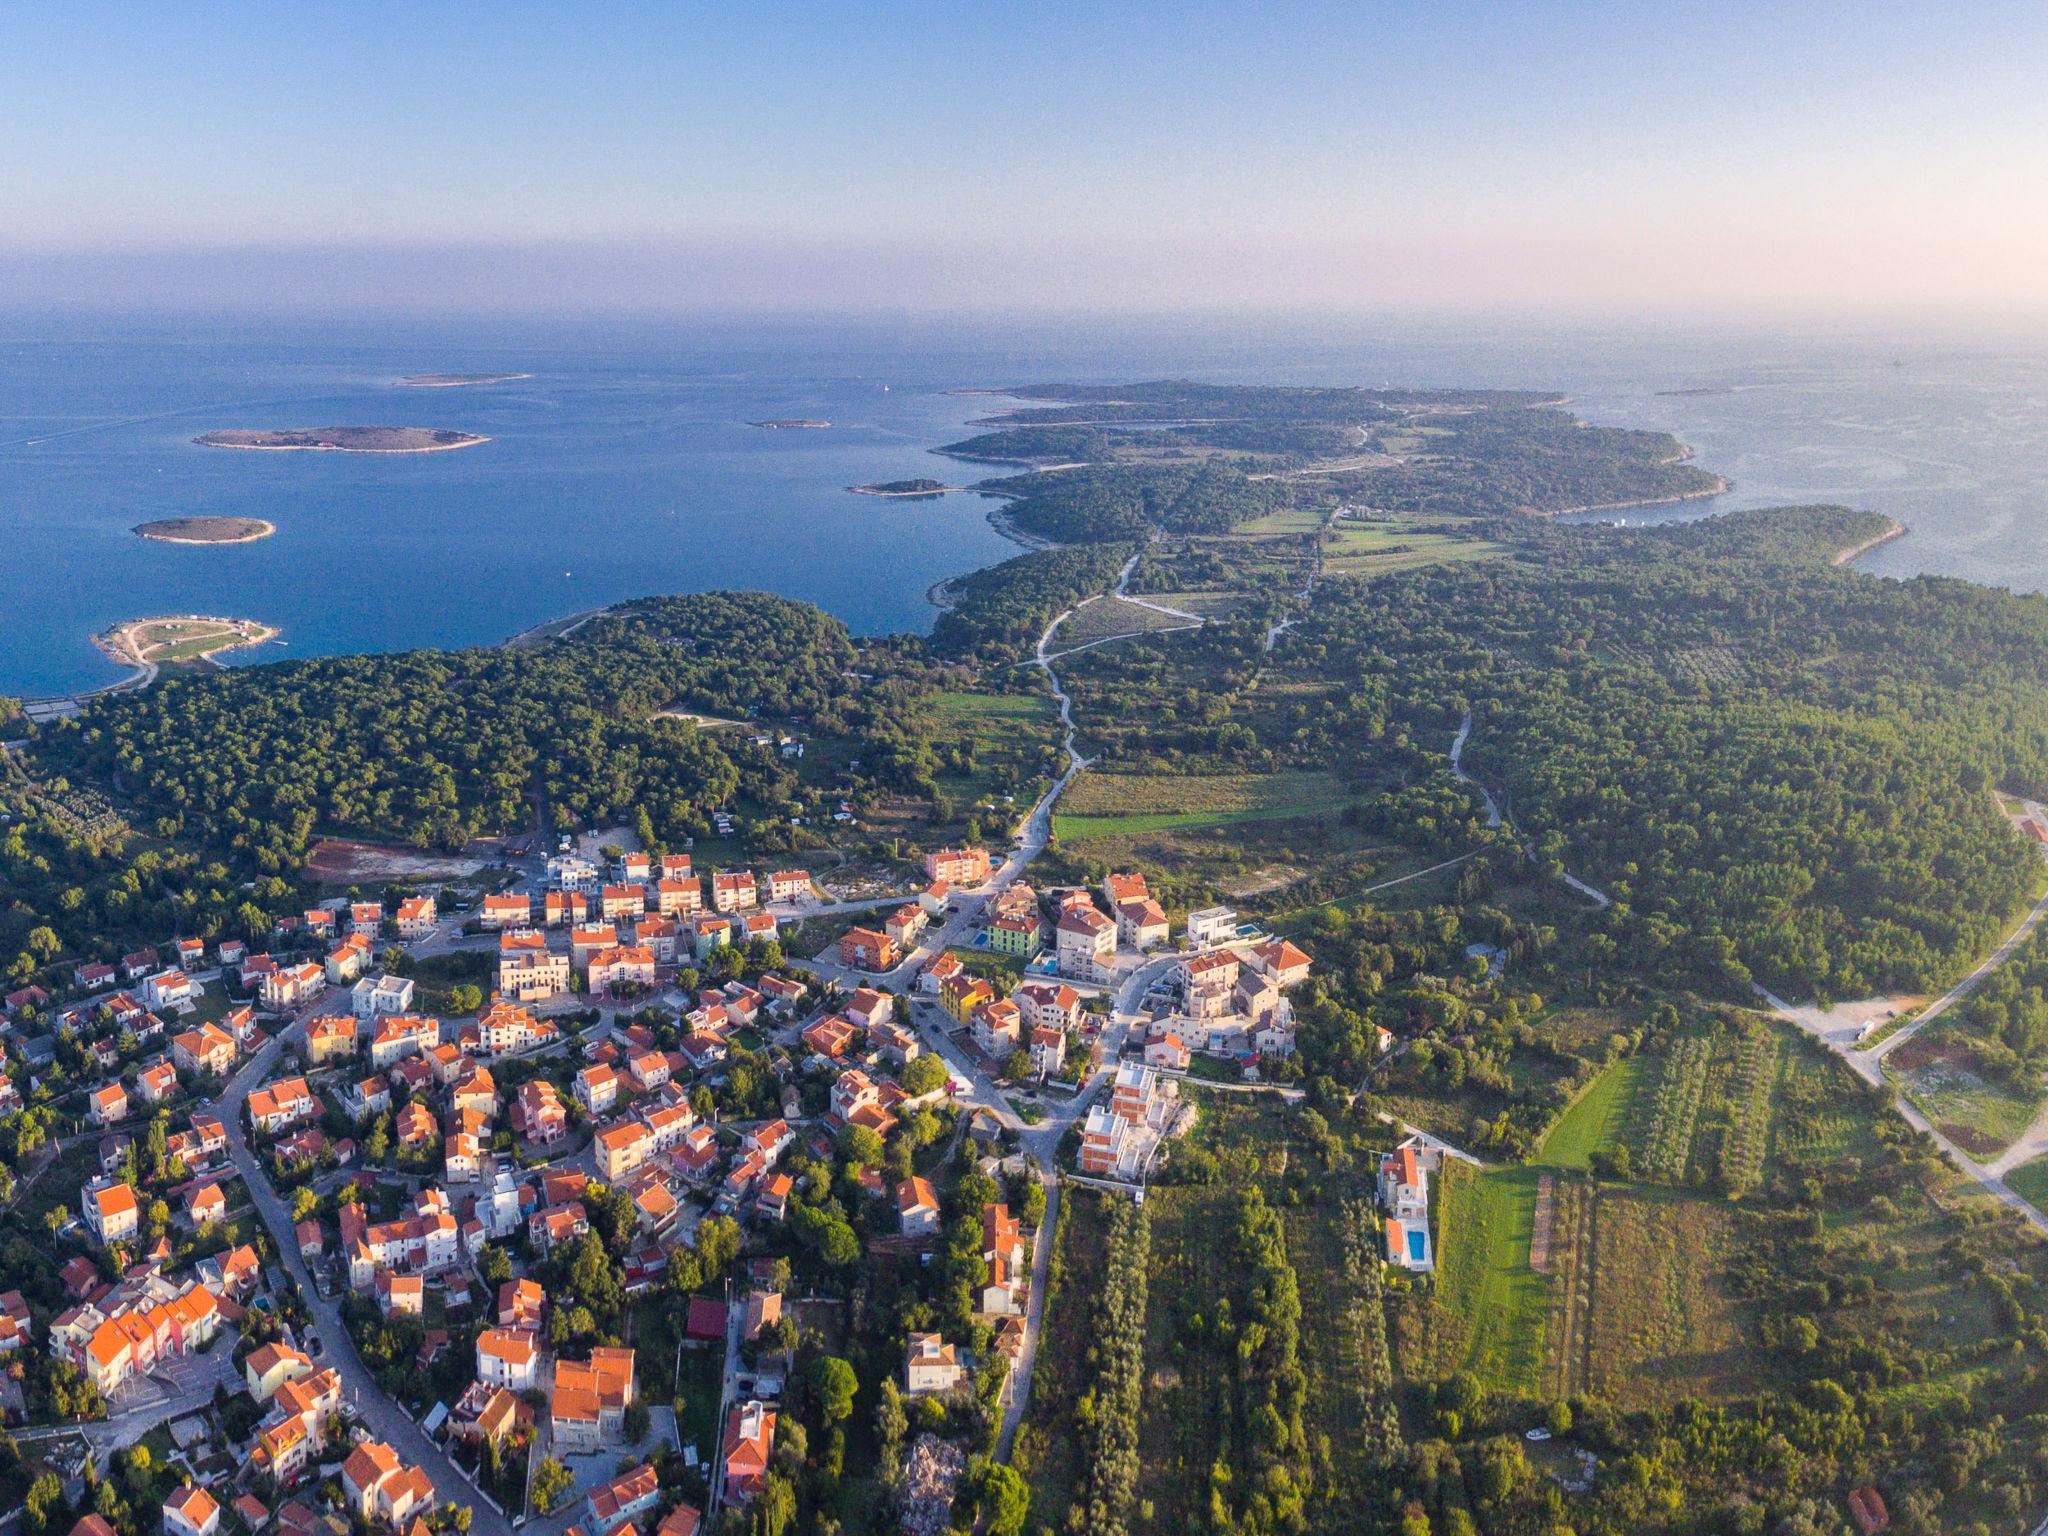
[626,465]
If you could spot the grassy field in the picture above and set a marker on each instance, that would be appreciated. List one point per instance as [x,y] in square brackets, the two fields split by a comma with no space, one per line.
[1354,549]
[2030,1182]
[1120,804]
[1250,862]
[1046,1452]
[1490,1305]
[1279,524]
[1012,737]
[1597,1121]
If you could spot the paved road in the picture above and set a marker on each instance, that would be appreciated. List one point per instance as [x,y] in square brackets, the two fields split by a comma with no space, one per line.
[384,1417]
[1869,1065]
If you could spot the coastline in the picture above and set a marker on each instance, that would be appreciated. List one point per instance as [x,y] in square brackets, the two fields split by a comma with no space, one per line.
[1721,487]
[938,490]
[1895,531]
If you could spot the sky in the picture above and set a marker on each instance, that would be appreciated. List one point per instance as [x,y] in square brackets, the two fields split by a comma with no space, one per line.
[1377,155]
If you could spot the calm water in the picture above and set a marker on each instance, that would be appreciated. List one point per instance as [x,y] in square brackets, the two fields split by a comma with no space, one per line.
[626,466]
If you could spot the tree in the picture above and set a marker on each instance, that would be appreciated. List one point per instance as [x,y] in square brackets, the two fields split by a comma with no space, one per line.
[861,1144]
[550,1481]
[925,1074]
[636,1421]
[305,1202]
[1002,1498]
[1017,1065]
[465,998]
[835,1383]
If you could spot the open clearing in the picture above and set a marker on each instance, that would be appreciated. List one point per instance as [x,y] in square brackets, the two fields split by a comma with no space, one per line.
[1980,1111]
[1192,800]
[1111,616]
[338,861]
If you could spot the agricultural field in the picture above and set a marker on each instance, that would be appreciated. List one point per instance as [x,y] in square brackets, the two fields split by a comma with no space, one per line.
[1300,521]
[1106,618]
[1363,549]
[1662,1326]
[1139,802]
[1980,1110]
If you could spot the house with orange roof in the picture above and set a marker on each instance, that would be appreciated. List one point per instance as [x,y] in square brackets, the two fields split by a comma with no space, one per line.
[597,1088]
[831,1037]
[106,1106]
[617,901]
[589,1402]
[931,1366]
[959,867]
[917,1208]
[773,1200]
[537,1113]
[1085,941]
[270,1365]
[509,911]
[942,969]
[585,942]
[678,897]
[400,1295]
[399,1035]
[563,909]
[508,1357]
[864,949]
[204,1204]
[112,1212]
[622,1148]
[332,1038]
[732,890]
[191,1511]
[416,918]
[626,1497]
[208,1051]
[288,986]
[280,1104]
[998,1027]
[747,1445]
[1048,1048]
[789,884]
[621,965]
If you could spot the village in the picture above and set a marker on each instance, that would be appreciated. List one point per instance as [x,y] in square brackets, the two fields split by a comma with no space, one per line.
[473,1262]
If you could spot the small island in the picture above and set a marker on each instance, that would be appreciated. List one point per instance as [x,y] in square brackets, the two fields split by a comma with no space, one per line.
[920,489]
[206,530]
[457,380]
[791,424]
[341,439]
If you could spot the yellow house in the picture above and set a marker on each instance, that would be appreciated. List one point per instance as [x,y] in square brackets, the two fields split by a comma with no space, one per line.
[270,1367]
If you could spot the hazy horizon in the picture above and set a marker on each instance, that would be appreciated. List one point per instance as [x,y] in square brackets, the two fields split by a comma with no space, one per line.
[1608,158]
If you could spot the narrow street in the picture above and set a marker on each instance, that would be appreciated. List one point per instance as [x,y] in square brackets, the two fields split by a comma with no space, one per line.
[385,1419]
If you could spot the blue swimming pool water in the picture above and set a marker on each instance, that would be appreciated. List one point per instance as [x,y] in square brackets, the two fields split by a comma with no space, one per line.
[1418,1245]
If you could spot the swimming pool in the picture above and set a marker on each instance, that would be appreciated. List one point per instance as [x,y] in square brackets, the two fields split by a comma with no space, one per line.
[1418,1246]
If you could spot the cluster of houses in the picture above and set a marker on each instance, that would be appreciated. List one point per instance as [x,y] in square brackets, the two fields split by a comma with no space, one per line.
[623,931]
